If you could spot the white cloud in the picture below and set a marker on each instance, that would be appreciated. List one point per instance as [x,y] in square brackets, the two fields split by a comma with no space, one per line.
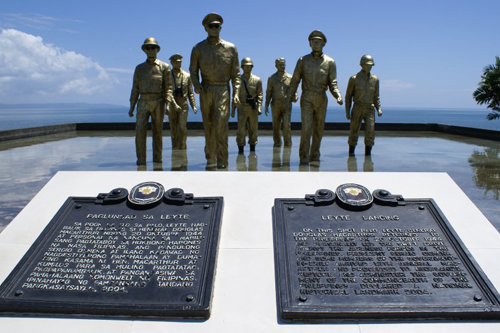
[395,85]
[35,21]
[29,67]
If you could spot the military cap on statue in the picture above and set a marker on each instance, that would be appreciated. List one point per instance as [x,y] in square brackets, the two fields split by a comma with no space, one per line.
[316,34]
[212,18]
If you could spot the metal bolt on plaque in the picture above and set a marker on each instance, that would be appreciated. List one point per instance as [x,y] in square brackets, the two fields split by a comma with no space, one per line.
[143,253]
[352,254]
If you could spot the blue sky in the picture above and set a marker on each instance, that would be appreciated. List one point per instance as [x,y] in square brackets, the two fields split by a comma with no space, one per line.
[427,53]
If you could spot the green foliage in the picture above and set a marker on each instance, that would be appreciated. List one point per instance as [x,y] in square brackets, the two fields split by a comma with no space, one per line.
[488,91]
[486,167]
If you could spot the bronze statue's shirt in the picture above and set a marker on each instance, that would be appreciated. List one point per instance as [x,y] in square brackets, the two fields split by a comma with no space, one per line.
[183,80]
[218,63]
[254,86]
[152,78]
[318,73]
[278,87]
[363,89]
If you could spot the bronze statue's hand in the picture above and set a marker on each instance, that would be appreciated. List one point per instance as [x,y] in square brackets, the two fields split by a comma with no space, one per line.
[236,100]
[198,89]
[347,116]
[340,101]
[195,110]
[131,113]
[259,112]
[379,112]
[178,108]
[267,111]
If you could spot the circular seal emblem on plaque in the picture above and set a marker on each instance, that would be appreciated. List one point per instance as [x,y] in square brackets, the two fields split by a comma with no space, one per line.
[354,196]
[146,193]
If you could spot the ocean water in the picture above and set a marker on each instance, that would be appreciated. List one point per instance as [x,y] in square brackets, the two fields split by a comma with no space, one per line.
[24,118]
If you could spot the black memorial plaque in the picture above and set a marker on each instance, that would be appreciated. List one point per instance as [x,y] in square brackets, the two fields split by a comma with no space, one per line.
[351,255]
[149,253]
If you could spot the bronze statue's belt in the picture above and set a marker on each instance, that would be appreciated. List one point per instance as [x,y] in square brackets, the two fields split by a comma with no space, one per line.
[211,83]
[151,96]
[364,105]
[315,90]
[278,100]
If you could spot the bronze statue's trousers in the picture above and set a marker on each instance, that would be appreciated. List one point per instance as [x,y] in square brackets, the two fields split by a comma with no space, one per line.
[247,120]
[178,125]
[281,118]
[313,111]
[214,104]
[365,112]
[155,110]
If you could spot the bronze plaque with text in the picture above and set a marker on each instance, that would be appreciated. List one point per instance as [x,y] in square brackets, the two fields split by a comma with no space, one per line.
[147,253]
[351,255]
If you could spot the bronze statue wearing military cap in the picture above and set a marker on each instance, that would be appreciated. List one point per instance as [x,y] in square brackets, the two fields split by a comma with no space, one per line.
[183,91]
[151,89]
[363,89]
[212,18]
[318,72]
[217,62]
[316,34]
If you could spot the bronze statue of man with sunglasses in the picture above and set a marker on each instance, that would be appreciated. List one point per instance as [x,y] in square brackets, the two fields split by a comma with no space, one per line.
[151,91]
[217,60]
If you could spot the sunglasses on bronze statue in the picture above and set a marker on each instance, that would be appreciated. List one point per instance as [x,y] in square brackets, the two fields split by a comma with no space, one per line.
[150,48]
[214,25]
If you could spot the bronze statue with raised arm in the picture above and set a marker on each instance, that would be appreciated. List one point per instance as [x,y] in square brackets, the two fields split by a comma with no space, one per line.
[250,107]
[318,72]
[217,61]
[278,86]
[363,89]
[151,90]
[183,91]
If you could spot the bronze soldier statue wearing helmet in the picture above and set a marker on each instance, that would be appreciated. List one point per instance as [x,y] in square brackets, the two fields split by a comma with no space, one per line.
[278,86]
[151,89]
[250,107]
[363,89]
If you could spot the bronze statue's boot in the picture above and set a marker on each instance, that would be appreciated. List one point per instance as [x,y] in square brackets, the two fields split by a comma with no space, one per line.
[240,149]
[368,151]
[351,150]
[252,147]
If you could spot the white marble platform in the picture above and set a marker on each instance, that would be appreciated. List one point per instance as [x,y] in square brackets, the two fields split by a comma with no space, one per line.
[244,295]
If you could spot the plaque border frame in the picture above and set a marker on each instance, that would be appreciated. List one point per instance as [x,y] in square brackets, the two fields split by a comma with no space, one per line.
[288,311]
[197,310]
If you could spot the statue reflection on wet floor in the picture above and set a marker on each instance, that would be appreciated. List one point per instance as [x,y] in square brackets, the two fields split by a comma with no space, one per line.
[474,164]
[352,164]
[279,163]
[251,158]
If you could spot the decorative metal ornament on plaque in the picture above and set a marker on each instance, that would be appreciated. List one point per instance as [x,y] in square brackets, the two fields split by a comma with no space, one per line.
[353,255]
[149,253]
[146,193]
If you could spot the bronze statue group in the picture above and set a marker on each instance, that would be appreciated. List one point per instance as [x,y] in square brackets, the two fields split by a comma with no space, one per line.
[159,89]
